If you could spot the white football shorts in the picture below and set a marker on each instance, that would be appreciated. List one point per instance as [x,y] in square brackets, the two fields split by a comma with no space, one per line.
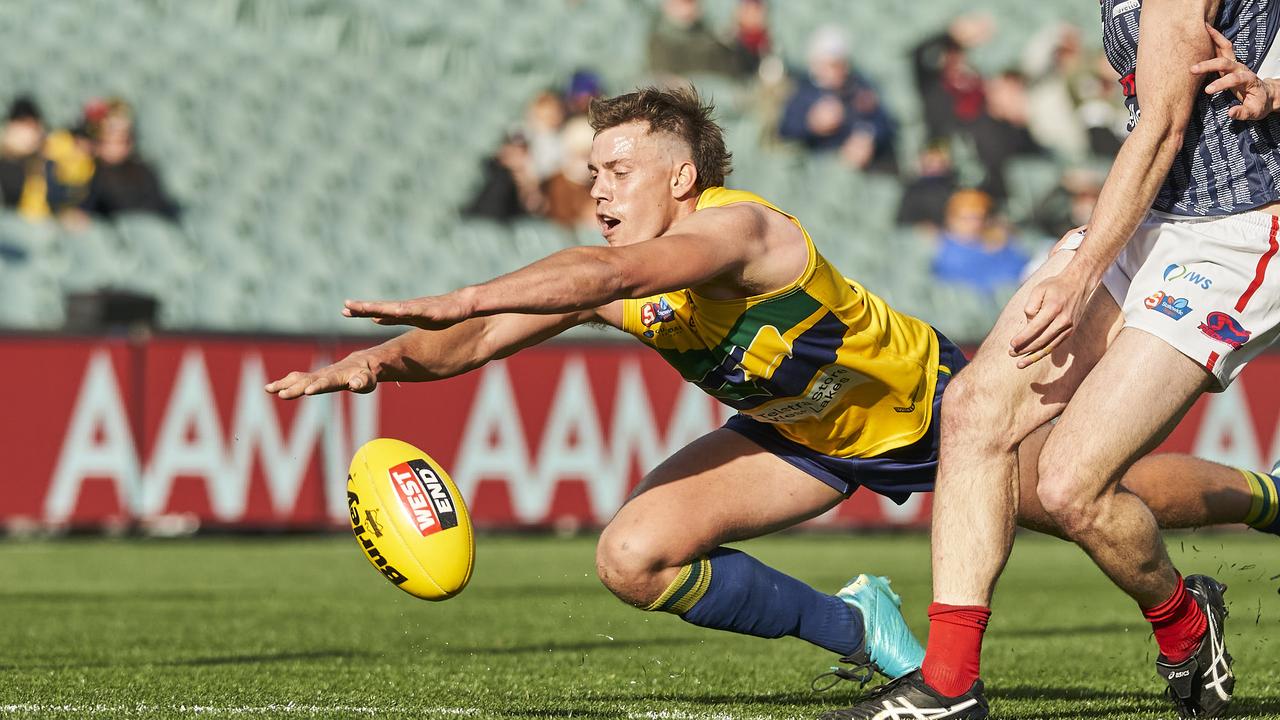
[1210,287]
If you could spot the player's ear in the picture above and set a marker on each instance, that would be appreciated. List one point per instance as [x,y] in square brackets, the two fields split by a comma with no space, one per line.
[684,180]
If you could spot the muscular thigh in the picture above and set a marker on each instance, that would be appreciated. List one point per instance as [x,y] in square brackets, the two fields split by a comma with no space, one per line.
[1029,397]
[720,488]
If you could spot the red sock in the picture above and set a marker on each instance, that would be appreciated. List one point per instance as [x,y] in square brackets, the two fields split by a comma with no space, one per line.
[1179,624]
[955,647]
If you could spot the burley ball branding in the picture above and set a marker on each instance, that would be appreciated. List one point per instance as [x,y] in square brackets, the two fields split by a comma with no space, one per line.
[424,497]
[367,543]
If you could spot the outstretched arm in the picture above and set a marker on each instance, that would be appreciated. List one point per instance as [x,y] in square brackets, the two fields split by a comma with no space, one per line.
[1173,38]
[423,355]
[706,245]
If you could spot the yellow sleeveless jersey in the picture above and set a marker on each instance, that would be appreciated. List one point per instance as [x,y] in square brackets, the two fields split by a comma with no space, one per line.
[830,365]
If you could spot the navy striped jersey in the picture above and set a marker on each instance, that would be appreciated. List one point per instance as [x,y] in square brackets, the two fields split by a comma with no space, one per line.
[1225,166]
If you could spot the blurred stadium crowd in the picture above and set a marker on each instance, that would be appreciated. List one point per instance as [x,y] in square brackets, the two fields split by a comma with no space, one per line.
[256,162]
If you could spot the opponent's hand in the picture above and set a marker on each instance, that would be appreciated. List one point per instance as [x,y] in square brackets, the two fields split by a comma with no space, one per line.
[1256,95]
[354,372]
[1053,310]
[435,312]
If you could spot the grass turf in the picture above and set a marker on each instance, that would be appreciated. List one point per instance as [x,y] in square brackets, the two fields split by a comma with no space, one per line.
[303,627]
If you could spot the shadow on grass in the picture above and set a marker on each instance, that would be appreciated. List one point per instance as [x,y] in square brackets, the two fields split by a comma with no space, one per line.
[216,660]
[1041,632]
[543,590]
[581,646]
[131,596]
[265,658]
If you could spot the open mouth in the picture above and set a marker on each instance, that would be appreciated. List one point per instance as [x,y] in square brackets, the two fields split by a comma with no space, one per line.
[607,223]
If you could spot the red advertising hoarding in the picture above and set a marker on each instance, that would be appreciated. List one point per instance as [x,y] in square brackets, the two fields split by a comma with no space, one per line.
[105,431]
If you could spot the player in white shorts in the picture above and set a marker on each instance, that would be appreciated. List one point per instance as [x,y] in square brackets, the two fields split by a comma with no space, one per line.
[1197,284]
[1183,240]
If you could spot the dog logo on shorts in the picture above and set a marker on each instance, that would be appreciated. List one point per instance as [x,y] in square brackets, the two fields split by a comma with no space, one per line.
[1225,329]
[1174,307]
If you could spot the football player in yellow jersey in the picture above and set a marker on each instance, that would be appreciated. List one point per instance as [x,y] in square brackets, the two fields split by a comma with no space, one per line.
[835,389]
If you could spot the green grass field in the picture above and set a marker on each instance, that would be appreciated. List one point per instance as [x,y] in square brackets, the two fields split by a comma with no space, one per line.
[303,627]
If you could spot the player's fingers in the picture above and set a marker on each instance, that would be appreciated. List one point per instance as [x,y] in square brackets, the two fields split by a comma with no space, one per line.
[1046,314]
[325,383]
[1218,64]
[373,308]
[362,381]
[1030,359]
[294,387]
[1044,342]
[1221,44]
[1238,82]
[277,385]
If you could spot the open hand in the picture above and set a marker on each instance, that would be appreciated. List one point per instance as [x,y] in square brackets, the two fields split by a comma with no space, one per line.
[354,372]
[1256,95]
[434,312]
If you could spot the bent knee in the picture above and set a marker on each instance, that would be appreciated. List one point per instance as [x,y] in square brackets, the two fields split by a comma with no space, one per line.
[632,565]
[978,418]
[1073,509]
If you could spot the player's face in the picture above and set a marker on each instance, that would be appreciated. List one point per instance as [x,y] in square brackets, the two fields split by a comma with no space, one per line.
[632,174]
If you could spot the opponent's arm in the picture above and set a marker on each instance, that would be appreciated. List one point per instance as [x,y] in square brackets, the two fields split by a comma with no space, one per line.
[1173,38]
[424,355]
[703,246]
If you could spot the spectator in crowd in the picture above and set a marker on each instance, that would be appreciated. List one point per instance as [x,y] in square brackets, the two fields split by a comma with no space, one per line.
[122,180]
[1102,109]
[973,248]
[751,42]
[509,187]
[568,191]
[584,86]
[1069,205]
[1057,75]
[951,90]
[543,123]
[1000,133]
[680,43]
[834,108]
[924,198]
[42,174]
[23,183]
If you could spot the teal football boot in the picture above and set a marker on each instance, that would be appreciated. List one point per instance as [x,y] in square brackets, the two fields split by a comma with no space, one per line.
[888,646]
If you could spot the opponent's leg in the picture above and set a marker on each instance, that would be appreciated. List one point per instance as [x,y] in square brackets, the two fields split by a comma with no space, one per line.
[1182,491]
[1117,416]
[987,411]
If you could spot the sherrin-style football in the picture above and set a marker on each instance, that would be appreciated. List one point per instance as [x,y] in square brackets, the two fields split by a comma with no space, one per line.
[409,519]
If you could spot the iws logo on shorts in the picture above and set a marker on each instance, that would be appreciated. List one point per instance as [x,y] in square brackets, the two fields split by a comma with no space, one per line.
[1180,272]
[1174,307]
[1225,329]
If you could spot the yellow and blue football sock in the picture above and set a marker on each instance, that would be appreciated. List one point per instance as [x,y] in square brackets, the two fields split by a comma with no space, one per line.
[730,590]
[1264,510]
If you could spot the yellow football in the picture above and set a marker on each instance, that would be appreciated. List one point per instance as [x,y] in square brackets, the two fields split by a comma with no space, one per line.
[410,520]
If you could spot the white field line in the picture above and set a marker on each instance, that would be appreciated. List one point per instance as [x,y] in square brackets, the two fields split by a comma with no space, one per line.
[300,710]
[685,715]
[143,709]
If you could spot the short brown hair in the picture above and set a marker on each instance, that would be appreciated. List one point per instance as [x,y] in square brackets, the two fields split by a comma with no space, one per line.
[680,112]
